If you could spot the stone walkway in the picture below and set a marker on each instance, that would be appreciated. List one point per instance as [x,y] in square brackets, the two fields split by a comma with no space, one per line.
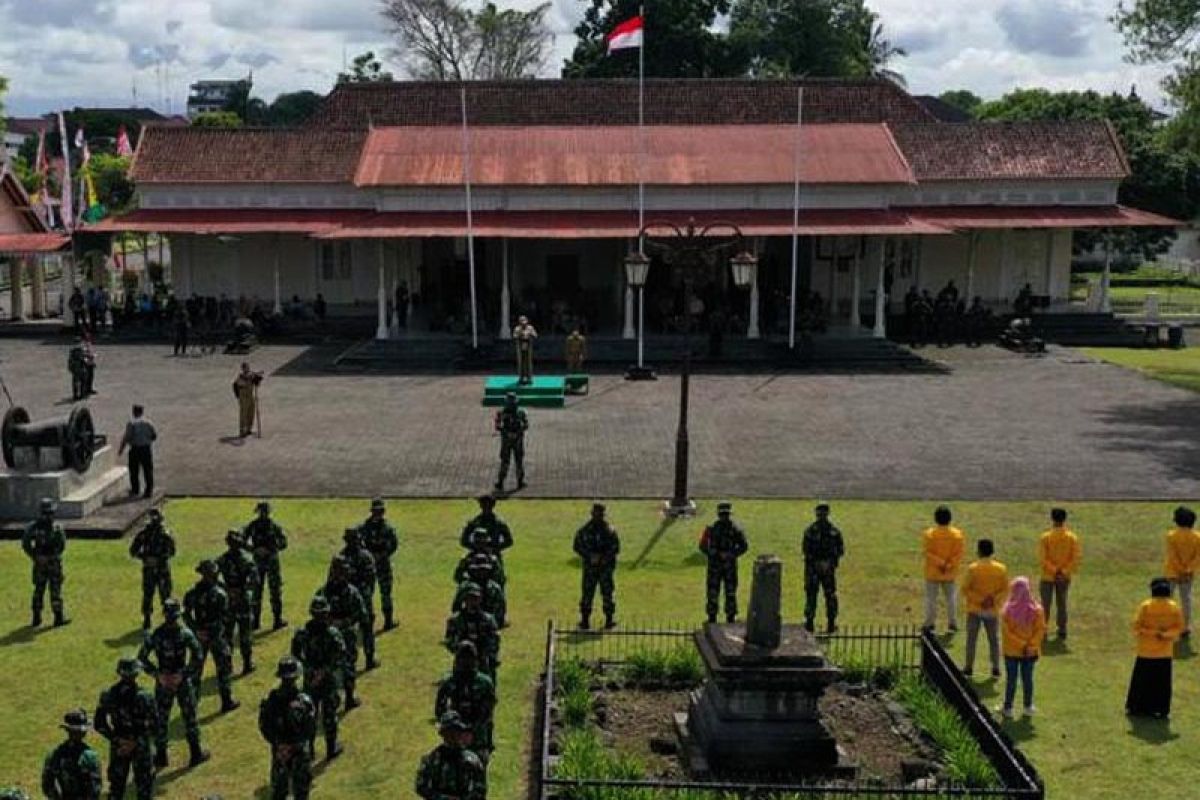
[995,426]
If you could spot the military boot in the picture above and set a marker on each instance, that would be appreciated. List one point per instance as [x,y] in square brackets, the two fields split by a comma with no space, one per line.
[585,622]
[160,757]
[198,756]
[351,700]
[731,617]
[146,621]
[389,622]
[256,623]
[228,703]
[60,619]
[712,618]
[332,748]
[37,619]
[280,623]
[808,624]
[610,621]
[831,627]
[372,663]
[247,665]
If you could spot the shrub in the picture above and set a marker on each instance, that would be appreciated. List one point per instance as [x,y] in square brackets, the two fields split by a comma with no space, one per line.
[965,762]
[680,665]
[577,707]
[570,674]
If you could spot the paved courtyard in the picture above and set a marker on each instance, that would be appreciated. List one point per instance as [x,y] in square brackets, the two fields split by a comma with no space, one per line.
[995,425]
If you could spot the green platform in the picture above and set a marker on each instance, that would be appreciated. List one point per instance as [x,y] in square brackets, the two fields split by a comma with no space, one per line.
[547,391]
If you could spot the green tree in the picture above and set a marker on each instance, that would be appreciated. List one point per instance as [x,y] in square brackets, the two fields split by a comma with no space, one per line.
[365,68]
[110,174]
[964,100]
[1167,32]
[217,119]
[680,41]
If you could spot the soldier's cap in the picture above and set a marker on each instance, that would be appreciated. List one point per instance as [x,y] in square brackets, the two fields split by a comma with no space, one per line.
[377,504]
[599,508]
[724,508]
[319,605]
[208,567]
[822,508]
[472,589]
[466,647]
[129,667]
[171,608]
[451,721]
[289,668]
[76,720]
[156,513]
[486,500]
[263,505]
[46,505]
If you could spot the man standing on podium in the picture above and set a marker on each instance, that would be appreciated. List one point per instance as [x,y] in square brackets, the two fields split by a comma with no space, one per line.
[523,336]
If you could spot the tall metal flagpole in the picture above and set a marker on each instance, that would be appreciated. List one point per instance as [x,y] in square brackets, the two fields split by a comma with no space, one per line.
[796,218]
[641,332]
[470,217]
[66,209]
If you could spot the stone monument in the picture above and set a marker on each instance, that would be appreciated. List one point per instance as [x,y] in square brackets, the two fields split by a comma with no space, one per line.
[61,458]
[756,713]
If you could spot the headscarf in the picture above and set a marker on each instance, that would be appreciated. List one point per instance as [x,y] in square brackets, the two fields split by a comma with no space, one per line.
[1021,607]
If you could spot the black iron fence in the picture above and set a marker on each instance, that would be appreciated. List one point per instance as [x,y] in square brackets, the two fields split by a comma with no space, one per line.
[865,649]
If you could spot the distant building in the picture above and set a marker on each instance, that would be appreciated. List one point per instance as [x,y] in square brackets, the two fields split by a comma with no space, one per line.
[209,96]
[17,130]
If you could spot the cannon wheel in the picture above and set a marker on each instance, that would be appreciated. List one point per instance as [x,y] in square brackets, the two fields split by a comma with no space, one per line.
[12,418]
[78,447]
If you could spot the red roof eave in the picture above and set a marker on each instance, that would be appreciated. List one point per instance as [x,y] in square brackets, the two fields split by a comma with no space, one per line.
[230,221]
[32,243]
[1001,217]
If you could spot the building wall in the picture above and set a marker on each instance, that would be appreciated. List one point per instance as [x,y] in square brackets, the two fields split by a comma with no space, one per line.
[1038,257]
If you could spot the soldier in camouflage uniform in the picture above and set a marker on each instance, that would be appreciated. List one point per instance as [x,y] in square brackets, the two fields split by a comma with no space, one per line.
[266,541]
[362,571]
[287,719]
[72,770]
[597,544]
[44,542]
[381,539]
[823,548]
[347,613]
[155,547]
[511,423]
[475,625]
[452,770]
[470,694]
[240,577]
[321,650]
[480,569]
[723,542]
[205,611]
[497,536]
[127,716]
[172,655]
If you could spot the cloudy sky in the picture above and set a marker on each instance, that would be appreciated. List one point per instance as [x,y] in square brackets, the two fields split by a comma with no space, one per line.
[62,53]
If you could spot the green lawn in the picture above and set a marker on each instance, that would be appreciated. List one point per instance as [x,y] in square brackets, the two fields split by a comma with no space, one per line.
[1081,741]
[1178,367]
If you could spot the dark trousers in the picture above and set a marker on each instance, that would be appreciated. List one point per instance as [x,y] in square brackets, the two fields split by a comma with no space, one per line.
[816,581]
[512,449]
[602,577]
[720,573]
[181,341]
[1055,593]
[141,465]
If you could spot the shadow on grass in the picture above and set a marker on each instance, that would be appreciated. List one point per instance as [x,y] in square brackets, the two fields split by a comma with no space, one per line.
[1019,730]
[1055,647]
[23,635]
[663,527]
[127,640]
[1152,731]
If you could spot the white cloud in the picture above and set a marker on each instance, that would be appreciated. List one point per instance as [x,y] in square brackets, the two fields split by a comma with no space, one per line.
[67,52]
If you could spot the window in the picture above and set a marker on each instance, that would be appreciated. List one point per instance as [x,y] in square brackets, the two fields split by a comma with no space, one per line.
[326,259]
[343,267]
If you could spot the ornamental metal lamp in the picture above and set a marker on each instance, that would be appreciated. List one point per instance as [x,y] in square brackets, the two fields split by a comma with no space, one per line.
[745,267]
[637,268]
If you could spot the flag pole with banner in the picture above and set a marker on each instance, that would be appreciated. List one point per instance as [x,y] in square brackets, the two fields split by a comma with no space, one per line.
[796,217]
[631,33]
[466,140]
[66,210]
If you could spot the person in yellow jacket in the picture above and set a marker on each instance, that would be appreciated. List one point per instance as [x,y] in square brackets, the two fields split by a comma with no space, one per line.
[1157,626]
[1183,561]
[1023,623]
[1059,552]
[984,589]
[943,546]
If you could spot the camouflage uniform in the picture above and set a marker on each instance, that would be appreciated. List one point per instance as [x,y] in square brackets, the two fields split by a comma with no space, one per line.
[44,542]
[472,695]
[72,770]
[240,576]
[493,601]
[155,547]
[382,540]
[451,770]
[497,539]
[287,719]
[823,548]
[172,654]
[267,540]
[362,571]
[597,544]
[347,613]
[205,610]
[511,423]
[128,717]
[320,648]
[723,543]
[478,627]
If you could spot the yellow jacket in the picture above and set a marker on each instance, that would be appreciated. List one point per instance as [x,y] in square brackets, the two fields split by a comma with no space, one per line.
[1157,625]
[943,546]
[1059,551]
[1183,553]
[1023,641]
[987,580]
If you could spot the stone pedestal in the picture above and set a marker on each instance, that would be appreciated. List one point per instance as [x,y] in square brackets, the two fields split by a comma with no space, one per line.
[77,494]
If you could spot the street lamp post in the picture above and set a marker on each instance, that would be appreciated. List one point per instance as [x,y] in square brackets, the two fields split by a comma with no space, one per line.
[637,267]
[690,248]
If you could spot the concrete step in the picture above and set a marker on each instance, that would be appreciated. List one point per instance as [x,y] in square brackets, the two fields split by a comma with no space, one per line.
[105,487]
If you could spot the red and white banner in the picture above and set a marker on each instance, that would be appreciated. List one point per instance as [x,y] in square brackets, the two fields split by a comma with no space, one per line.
[626,35]
[123,146]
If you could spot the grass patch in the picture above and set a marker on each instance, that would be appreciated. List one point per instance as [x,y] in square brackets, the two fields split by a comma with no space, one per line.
[966,765]
[862,671]
[680,665]
[1177,367]
[1080,741]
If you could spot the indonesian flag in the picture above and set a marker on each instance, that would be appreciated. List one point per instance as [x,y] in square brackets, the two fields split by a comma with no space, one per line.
[626,35]
[123,146]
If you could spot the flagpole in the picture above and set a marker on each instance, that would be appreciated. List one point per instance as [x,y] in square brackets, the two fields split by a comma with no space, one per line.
[466,138]
[796,216]
[642,131]
[66,210]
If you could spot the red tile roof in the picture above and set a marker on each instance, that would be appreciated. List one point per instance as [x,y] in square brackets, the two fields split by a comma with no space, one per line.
[21,243]
[998,217]
[615,102]
[246,155]
[233,220]
[610,155]
[1012,151]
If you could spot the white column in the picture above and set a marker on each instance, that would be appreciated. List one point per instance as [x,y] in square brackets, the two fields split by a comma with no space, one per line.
[752,325]
[629,332]
[1006,247]
[505,332]
[278,298]
[972,249]
[37,287]
[880,331]
[1050,263]
[16,279]
[856,288]
[414,275]
[1105,302]
[394,322]
[381,331]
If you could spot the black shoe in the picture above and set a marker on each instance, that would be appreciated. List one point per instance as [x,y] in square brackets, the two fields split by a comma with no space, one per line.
[499,486]
[247,667]
[332,750]
[352,702]
[148,494]
[609,622]
[198,757]
[731,618]
[389,624]
[831,627]
[712,618]
[968,672]
[372,664]
[256,624]
[160,759]
[146,622]
[279,624]
[808,625]
[37,620]
[584,623]
[60,620]
[521,484]
[230,705]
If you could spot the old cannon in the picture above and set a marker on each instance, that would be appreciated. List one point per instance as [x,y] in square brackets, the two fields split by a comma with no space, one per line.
[73,435]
